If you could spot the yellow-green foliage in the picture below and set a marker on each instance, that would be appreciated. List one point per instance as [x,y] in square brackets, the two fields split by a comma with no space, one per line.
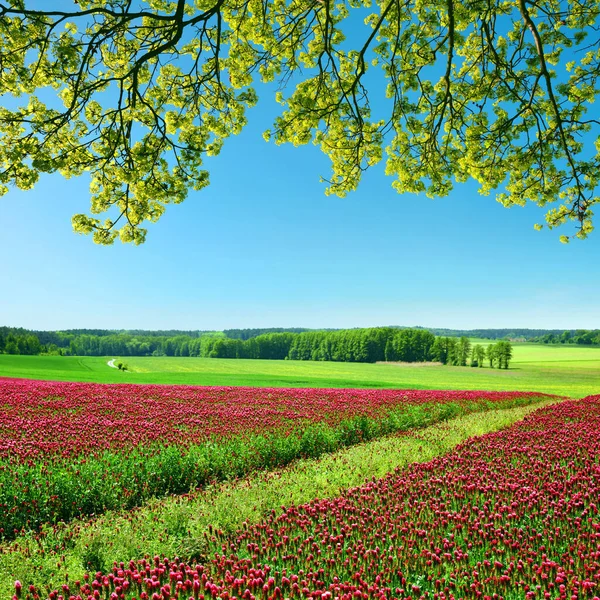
[145,91]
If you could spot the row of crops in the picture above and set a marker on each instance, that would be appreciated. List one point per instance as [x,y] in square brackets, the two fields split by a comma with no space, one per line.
[512,514]
[74,449]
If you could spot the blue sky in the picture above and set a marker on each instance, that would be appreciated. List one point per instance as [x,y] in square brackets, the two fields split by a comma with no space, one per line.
[263,246]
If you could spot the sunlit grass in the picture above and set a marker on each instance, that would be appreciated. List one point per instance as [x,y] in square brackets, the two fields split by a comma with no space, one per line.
[565,370]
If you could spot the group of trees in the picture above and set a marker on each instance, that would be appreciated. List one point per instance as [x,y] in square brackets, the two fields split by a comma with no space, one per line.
[451,351]
[273,346]
[345,345]
[133,345]
[12,343]
[513,334]
[460,352]
[367,345]
[351,345]
[499,354]
[541,336]
[362,345]
[91,342]
[586,337]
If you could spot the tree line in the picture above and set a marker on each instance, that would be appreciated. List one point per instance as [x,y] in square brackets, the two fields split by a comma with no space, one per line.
[377,344]
[587,337]
[27,344]
[521,334]
[101,343]
[368,345]
[346,345]
[460,352]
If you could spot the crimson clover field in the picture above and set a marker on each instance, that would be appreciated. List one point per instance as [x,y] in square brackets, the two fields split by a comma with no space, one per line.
[512,514]
[72,449]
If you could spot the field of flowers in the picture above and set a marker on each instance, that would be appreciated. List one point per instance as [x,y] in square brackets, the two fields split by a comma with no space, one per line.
[73,449]
[512,514]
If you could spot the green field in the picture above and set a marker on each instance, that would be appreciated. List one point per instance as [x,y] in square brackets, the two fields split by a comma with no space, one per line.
[567,370]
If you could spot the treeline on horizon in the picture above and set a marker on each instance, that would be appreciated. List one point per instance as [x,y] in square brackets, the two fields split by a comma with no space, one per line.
[351,345]
[377,344]
[333,344]
[98,342]
[580,336]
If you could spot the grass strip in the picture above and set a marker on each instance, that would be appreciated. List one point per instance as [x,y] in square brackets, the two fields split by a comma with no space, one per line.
[568,370]
[185,526]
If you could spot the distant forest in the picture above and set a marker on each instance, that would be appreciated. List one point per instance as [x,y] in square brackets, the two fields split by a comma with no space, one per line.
[246,334]
[349,345]
[99,342]
[345,345]
[377,344]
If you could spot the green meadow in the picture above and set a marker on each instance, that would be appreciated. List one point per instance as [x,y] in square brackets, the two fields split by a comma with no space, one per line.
[566,370]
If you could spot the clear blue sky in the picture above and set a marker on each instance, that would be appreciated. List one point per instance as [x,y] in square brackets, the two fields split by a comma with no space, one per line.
[263,246]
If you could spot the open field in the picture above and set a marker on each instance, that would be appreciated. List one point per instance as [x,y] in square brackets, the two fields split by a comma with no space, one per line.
[72,449]
[182,525]
[75,503]
[498,516]
[565,370]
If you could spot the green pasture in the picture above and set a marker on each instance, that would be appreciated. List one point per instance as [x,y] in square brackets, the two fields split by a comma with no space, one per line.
[567,370]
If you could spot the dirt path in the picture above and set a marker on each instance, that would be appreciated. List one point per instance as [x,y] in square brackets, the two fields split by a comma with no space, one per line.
[111,363]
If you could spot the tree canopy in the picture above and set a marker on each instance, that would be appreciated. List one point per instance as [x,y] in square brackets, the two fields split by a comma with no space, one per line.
[138,92]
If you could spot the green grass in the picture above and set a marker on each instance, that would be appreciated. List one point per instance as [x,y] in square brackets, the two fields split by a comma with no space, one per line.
[565,370]
[181,525]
